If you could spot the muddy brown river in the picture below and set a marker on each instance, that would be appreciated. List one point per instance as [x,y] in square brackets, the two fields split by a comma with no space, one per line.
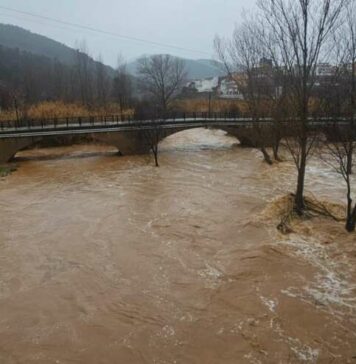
[107,259]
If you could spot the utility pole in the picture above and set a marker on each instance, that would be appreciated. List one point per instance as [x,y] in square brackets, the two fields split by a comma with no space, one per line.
[209,107]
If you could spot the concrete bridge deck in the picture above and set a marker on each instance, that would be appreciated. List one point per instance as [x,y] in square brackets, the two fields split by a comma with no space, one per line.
[127,134]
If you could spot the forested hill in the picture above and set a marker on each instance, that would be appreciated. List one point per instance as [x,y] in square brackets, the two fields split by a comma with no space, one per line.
[15,37]
[18,38]
[38,68]
[34,78]
[196,69]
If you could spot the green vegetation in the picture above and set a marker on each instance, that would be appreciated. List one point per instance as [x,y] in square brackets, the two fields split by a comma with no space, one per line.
[6,170]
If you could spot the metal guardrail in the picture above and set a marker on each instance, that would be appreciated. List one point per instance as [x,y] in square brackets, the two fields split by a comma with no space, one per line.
[108,119]
[103,122]
[87,124]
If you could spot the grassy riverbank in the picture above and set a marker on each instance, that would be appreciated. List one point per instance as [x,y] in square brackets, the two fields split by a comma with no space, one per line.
[6,170]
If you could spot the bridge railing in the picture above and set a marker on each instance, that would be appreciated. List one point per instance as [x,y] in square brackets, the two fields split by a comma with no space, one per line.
[138,119]
[109,120]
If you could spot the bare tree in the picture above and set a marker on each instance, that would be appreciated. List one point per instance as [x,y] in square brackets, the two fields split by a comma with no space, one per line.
[278,109]
[102,82]
[347,37]
[245,51]
[84,74]
[153,136]
[337,154]
[7,100]
[337,99]
[161,77]
[300,30]
[122,85]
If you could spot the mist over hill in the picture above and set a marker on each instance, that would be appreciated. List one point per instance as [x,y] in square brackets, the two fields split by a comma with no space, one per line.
[18,38]
[15,37]
[39,68]
[196,69]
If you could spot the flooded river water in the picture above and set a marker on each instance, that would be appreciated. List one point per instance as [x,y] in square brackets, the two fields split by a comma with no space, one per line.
[107,259]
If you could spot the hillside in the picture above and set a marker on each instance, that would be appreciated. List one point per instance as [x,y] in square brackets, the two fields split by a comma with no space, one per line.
[15,37]
[196,69]
[18,38]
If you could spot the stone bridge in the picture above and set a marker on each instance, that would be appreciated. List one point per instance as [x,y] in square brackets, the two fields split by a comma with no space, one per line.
[131,136]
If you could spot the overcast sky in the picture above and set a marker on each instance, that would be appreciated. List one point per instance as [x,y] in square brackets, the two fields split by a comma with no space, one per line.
[189,24]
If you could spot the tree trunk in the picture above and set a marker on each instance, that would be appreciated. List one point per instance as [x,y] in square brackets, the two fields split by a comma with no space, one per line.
[351,213]
[299,196]
[303,139]
[156,159]
[277,140]
[276,150]
[351,221]
[266,156]
[155,154]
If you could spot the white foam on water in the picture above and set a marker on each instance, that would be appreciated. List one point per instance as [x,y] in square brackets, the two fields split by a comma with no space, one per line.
[252,359]
[211,274]
[306,354]
[303,352]
[331,287]
[269,303]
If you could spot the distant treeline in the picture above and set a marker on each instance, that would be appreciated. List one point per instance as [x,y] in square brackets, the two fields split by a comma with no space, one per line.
[27,79]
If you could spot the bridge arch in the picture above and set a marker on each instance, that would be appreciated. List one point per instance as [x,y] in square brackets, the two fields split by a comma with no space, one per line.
[9,147]
[247,137]
[135,141]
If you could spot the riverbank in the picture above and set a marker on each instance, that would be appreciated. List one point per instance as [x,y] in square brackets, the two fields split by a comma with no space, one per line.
[7,170]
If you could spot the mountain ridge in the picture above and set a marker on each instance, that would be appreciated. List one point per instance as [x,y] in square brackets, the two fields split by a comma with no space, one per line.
[196,69]
[12,36]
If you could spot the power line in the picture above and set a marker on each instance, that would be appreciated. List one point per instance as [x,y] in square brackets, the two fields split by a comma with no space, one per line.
[101,31]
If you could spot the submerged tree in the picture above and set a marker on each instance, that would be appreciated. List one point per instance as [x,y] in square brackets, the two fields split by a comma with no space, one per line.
[153,135]
[300,30]
[253,75]
[347,37]
[161,78]
[339,155]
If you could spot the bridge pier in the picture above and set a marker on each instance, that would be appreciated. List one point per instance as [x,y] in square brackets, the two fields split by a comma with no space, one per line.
[253,137]
[10,146]
[339,134]
[128,143]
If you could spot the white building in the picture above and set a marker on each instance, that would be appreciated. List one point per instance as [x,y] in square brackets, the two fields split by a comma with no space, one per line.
[228,89]
[204,85]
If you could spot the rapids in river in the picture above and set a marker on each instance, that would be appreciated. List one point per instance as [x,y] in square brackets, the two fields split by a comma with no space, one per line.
[108,259]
